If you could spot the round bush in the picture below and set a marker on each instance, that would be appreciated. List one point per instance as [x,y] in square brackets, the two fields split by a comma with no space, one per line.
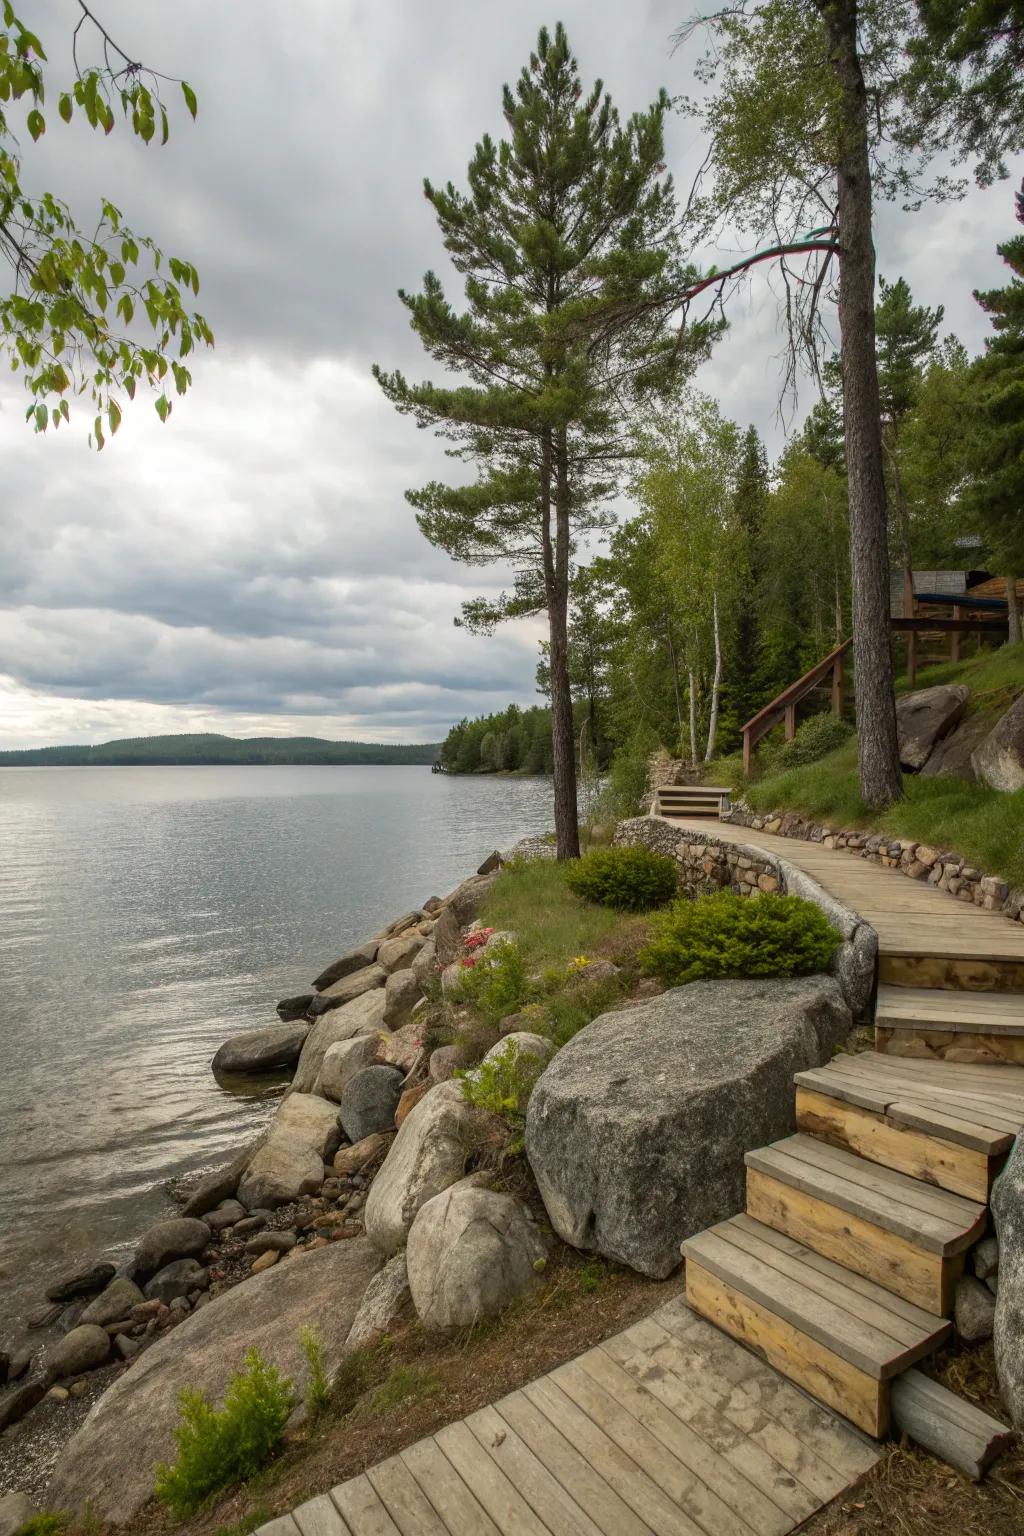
[730,936]
[632,879]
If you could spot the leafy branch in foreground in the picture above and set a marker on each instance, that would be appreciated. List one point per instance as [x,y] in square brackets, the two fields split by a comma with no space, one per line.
[74,321]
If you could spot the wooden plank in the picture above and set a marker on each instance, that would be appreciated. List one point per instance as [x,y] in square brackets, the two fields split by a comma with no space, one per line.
[284,1525]
[987,1142]
[957,1433]
[743,1500]
[949,1209]
[951,1077]
[546,1496]
[446,1491]
[592,1493]
[795,1502]
[362,1510]
[818,1316]
[851,1392]
[405,1500]
[906,1147]
[912,1227]
[758,1386]
[922,1277]
[675,1477]
[661,1512]
[320,1517]
[485,1479]
[693,1365]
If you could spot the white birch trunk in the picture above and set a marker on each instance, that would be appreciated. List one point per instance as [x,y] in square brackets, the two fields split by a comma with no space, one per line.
[693,716]
[716,686]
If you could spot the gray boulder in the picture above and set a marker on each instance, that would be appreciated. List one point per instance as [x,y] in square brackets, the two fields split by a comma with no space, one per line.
[522,1042]
[184,1237]
[113,1304]
[447,937]
[428,1155]
[923,718]
[262,1050]
[385,1300]
[347,989]
[636,1131]
[342,1061]
[398,954]
[83,1349]
[471,1252]
[999,761]
[291,1008]
[16,1510]
[176,1280]
[82,1281]
[424,965]
[355,960]
[112,1459]
[1008,1209]
[220,1185]
[974,1310]
[303,1134]
[226,1215]
[368,1102]
[363,1016]
[465,901]
[401,995]
[952,755]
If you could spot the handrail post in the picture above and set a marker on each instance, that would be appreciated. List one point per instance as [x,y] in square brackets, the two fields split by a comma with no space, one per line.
[838,680]
[791,720]
[747,750]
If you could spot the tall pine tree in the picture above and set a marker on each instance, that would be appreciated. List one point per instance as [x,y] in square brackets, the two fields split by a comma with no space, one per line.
[565,239]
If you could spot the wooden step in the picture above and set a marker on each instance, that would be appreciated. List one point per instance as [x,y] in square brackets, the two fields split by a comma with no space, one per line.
[943,1123]
[834,1332]
[906,1235]
[934,1023]
[933,961]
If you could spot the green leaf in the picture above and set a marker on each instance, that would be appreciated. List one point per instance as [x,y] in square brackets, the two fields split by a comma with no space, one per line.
[36,124]
[114,416]
[64,106]
[42,418]
[163,407]
[190,97]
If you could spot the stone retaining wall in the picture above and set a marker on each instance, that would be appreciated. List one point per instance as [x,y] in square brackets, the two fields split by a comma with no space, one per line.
[918,861]
[707,864]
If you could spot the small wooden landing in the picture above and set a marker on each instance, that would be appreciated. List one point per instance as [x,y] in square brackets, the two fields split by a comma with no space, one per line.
[908,1237]
[668,1429]
[835,1332]
[969,1013]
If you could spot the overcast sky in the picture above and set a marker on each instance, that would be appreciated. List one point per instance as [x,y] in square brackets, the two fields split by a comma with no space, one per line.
[253,567]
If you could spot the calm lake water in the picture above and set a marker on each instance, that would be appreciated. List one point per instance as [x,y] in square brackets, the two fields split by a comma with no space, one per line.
[148,913]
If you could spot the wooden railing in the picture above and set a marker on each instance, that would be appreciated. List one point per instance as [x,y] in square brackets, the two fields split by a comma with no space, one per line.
[784,707]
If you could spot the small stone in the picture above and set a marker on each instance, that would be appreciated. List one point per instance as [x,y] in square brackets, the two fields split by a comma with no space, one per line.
[767,883]
[79,1388]
[180,1306]
[83,1349]
[147,1309]
[182,1238]
[265,1260]
[445,1062]
[127,1348]
[113,1304]
[249,1224]
[265,1242]
[177,1279]
[19,1362]
[986,1258]
[227,1214]
[410,1098]
[58,1394]
[350,1159]
[974,1311]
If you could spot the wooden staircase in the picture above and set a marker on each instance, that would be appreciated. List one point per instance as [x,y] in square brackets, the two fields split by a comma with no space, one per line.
[687,800]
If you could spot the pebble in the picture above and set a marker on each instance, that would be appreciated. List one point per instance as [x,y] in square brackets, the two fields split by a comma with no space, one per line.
[78,1388]
[19,1363]
[265,1260]
[264,1242]
[249,1224]
[58,1394]
[126,1348]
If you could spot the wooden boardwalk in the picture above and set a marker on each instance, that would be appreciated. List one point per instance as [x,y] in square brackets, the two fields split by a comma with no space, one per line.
[668,1429]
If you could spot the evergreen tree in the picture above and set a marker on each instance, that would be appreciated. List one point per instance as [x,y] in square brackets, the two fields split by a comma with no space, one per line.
[907,335]
[998,491]
[749,504]
[565,239]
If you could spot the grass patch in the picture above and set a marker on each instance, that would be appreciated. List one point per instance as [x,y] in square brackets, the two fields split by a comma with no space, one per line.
[402,1384]
[981,824]
[552,925]
[987,675]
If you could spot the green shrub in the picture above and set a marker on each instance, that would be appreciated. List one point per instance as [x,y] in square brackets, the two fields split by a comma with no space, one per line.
[726,935]
[815,738]
[220,1447]
[45,1524]
[318,1393]
[502,1084]
[572,1008]
[632,879]
[496,984]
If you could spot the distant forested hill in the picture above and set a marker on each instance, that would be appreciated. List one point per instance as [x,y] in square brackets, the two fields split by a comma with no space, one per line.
[171,750]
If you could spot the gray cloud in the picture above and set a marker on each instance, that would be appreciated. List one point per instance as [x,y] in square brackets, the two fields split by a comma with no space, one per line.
[254,564]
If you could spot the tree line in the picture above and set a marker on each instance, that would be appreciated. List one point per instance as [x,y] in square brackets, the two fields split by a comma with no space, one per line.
[205,749]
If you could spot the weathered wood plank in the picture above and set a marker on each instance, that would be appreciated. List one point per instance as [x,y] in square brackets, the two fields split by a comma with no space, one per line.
[405,1500]
[485,1479]
[362,1510]
[590,1490]
[956,1432]
[549,1500]
[922,1277]
[851,1392]
[952,1210]
[660,1511]
[445,1489]
[320,1517]
[284,1525]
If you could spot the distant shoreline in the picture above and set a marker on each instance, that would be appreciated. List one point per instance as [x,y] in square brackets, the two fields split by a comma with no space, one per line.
[207,750]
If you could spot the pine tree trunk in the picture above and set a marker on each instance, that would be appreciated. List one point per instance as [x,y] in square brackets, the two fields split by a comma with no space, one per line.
[1012,611]
[563,744]
[693,717]
[716,686]
[877,746]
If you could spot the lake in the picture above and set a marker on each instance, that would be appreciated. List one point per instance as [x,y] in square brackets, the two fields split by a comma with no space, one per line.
[148,913]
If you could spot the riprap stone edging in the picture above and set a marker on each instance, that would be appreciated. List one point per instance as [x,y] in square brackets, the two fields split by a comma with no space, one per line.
[918,861]
[708,864]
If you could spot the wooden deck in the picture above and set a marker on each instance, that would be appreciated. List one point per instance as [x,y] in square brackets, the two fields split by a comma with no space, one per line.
[668,1429]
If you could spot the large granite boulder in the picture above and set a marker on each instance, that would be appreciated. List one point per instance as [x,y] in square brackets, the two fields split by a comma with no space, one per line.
[425,963]
[183,1237]
[304,1132]
[447,937]
[636,1131]
[471,1252]
[999,761]
[428,1155]
[1008,1210]
[398,954]
[465,901]
[347,965]
[401,995]
[951,757]
[83,1349]
[363,1016]
[348,988]
[384,1302]
[343,1060]
[368,1102]
[220,1184]
[923,718]
[112,1459]
[262,1050]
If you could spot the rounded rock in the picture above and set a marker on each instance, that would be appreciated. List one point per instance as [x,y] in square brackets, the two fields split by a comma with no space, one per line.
[177,1279]
[184,1237]
[368,1102]
[85,1348]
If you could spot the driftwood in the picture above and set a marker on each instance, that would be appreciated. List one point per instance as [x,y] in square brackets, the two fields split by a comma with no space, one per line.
[952,1429]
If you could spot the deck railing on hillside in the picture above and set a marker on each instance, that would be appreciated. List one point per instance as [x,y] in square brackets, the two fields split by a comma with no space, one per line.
[784,706]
